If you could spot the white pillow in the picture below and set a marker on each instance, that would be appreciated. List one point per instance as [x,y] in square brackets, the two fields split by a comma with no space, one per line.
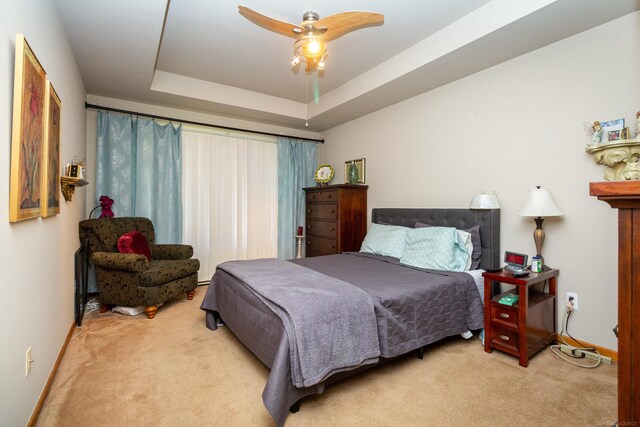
[386,240]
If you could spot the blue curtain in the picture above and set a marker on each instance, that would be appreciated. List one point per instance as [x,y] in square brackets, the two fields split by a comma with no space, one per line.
[138,165]
[297,162]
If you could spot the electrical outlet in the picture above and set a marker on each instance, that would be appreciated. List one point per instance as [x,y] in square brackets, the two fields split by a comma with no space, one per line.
[27,363]
[575,299]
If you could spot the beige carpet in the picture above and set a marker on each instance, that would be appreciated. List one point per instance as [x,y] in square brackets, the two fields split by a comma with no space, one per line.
[173,371]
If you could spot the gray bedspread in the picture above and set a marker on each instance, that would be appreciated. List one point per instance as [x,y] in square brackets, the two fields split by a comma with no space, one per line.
[413,308]
[330,324]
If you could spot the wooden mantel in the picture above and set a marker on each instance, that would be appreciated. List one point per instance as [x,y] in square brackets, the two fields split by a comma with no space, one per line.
[625,196]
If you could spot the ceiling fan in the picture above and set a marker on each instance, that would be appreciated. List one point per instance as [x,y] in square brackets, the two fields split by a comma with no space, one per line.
[312,34]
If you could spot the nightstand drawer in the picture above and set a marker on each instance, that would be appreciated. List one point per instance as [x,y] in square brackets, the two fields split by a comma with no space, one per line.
[319,244]
[504,315]
[322,228]
[328,211]
[504,339]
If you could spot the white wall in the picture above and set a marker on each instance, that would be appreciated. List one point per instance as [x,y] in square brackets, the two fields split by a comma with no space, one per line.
[36,261]
[509,128]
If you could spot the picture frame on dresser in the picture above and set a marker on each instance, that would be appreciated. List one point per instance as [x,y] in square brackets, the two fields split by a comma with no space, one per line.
[360,165]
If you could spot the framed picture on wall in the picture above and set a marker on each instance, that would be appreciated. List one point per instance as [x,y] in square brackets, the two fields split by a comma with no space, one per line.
[50,200]
[27,139]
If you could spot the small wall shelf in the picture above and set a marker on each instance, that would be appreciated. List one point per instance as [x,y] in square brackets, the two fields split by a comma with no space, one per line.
[622,159]
[69,184]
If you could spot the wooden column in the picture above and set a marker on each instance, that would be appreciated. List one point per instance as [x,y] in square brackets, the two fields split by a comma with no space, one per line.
[625,196]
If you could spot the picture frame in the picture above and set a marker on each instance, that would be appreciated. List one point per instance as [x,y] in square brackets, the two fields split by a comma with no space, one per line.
[624,133]
[27,139]
[609,126]
[614,135]
[51,157]
[360,164]
[324,174]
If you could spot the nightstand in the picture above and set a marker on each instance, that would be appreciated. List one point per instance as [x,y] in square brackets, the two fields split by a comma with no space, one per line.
[529,325]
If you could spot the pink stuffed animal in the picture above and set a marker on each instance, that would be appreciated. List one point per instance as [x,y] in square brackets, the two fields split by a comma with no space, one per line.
[106,202]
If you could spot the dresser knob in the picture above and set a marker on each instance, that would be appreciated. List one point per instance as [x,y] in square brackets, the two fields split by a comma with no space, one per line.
[332,211]
[309,211]
[309,226]
[329,196]
[309,242]
[504,338]
[331,247]
[504,315]
[332,229]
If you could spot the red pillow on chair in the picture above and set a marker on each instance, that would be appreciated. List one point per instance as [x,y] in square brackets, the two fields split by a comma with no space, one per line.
[134,242]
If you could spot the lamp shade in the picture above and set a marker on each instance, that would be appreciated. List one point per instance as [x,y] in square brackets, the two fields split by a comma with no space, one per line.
[539,203]
[485,201]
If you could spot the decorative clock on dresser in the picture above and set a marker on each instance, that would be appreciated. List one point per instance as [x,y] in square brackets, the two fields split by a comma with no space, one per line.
[336,218]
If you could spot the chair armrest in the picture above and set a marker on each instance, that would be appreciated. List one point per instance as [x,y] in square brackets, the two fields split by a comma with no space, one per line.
[172,251]
[118,261]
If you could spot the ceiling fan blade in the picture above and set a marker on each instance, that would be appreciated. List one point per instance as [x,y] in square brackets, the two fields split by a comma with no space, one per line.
[280,27]
[342,23]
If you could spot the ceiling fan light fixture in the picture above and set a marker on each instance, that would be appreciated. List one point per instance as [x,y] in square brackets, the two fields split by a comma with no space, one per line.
[295,60]
[311,47]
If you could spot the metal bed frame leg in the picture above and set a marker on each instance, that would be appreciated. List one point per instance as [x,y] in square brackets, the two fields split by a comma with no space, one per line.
[295,407]
[420,353]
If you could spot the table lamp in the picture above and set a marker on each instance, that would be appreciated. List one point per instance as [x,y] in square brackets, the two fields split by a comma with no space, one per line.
[485,201]
[539,205]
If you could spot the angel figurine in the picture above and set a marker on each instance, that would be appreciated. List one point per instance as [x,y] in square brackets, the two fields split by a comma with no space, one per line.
[595,130]
[637,136]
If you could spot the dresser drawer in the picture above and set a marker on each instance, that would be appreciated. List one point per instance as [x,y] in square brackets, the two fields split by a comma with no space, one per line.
[320,244]
[505,339]
[322,228]
[504,315]
[323,196]
[316,196]
[329,196]
[327,211]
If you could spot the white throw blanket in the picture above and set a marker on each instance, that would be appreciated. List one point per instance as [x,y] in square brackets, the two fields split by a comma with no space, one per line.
[330,324]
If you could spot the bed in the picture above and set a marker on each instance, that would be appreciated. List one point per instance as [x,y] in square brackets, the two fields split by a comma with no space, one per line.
[412,307]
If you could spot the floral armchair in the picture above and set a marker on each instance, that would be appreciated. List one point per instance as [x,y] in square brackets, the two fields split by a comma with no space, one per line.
[130,279]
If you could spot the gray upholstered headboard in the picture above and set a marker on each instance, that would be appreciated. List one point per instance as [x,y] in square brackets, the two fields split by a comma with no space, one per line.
[488,219]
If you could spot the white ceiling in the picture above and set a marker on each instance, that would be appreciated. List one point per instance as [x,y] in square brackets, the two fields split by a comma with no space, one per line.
[204,56]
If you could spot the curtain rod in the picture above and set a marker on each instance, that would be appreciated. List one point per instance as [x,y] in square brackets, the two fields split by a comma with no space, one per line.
[170,119]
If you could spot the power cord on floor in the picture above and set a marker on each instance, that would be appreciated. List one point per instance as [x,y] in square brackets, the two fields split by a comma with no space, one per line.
[570,353]
[91,305]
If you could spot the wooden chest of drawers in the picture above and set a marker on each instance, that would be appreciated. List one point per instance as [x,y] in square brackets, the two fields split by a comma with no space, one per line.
[336,219]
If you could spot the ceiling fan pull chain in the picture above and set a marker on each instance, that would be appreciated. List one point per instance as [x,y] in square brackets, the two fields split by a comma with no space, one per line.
[306,99]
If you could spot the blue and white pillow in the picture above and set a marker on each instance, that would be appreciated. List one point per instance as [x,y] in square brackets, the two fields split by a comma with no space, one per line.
[386,240]
[436,248]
